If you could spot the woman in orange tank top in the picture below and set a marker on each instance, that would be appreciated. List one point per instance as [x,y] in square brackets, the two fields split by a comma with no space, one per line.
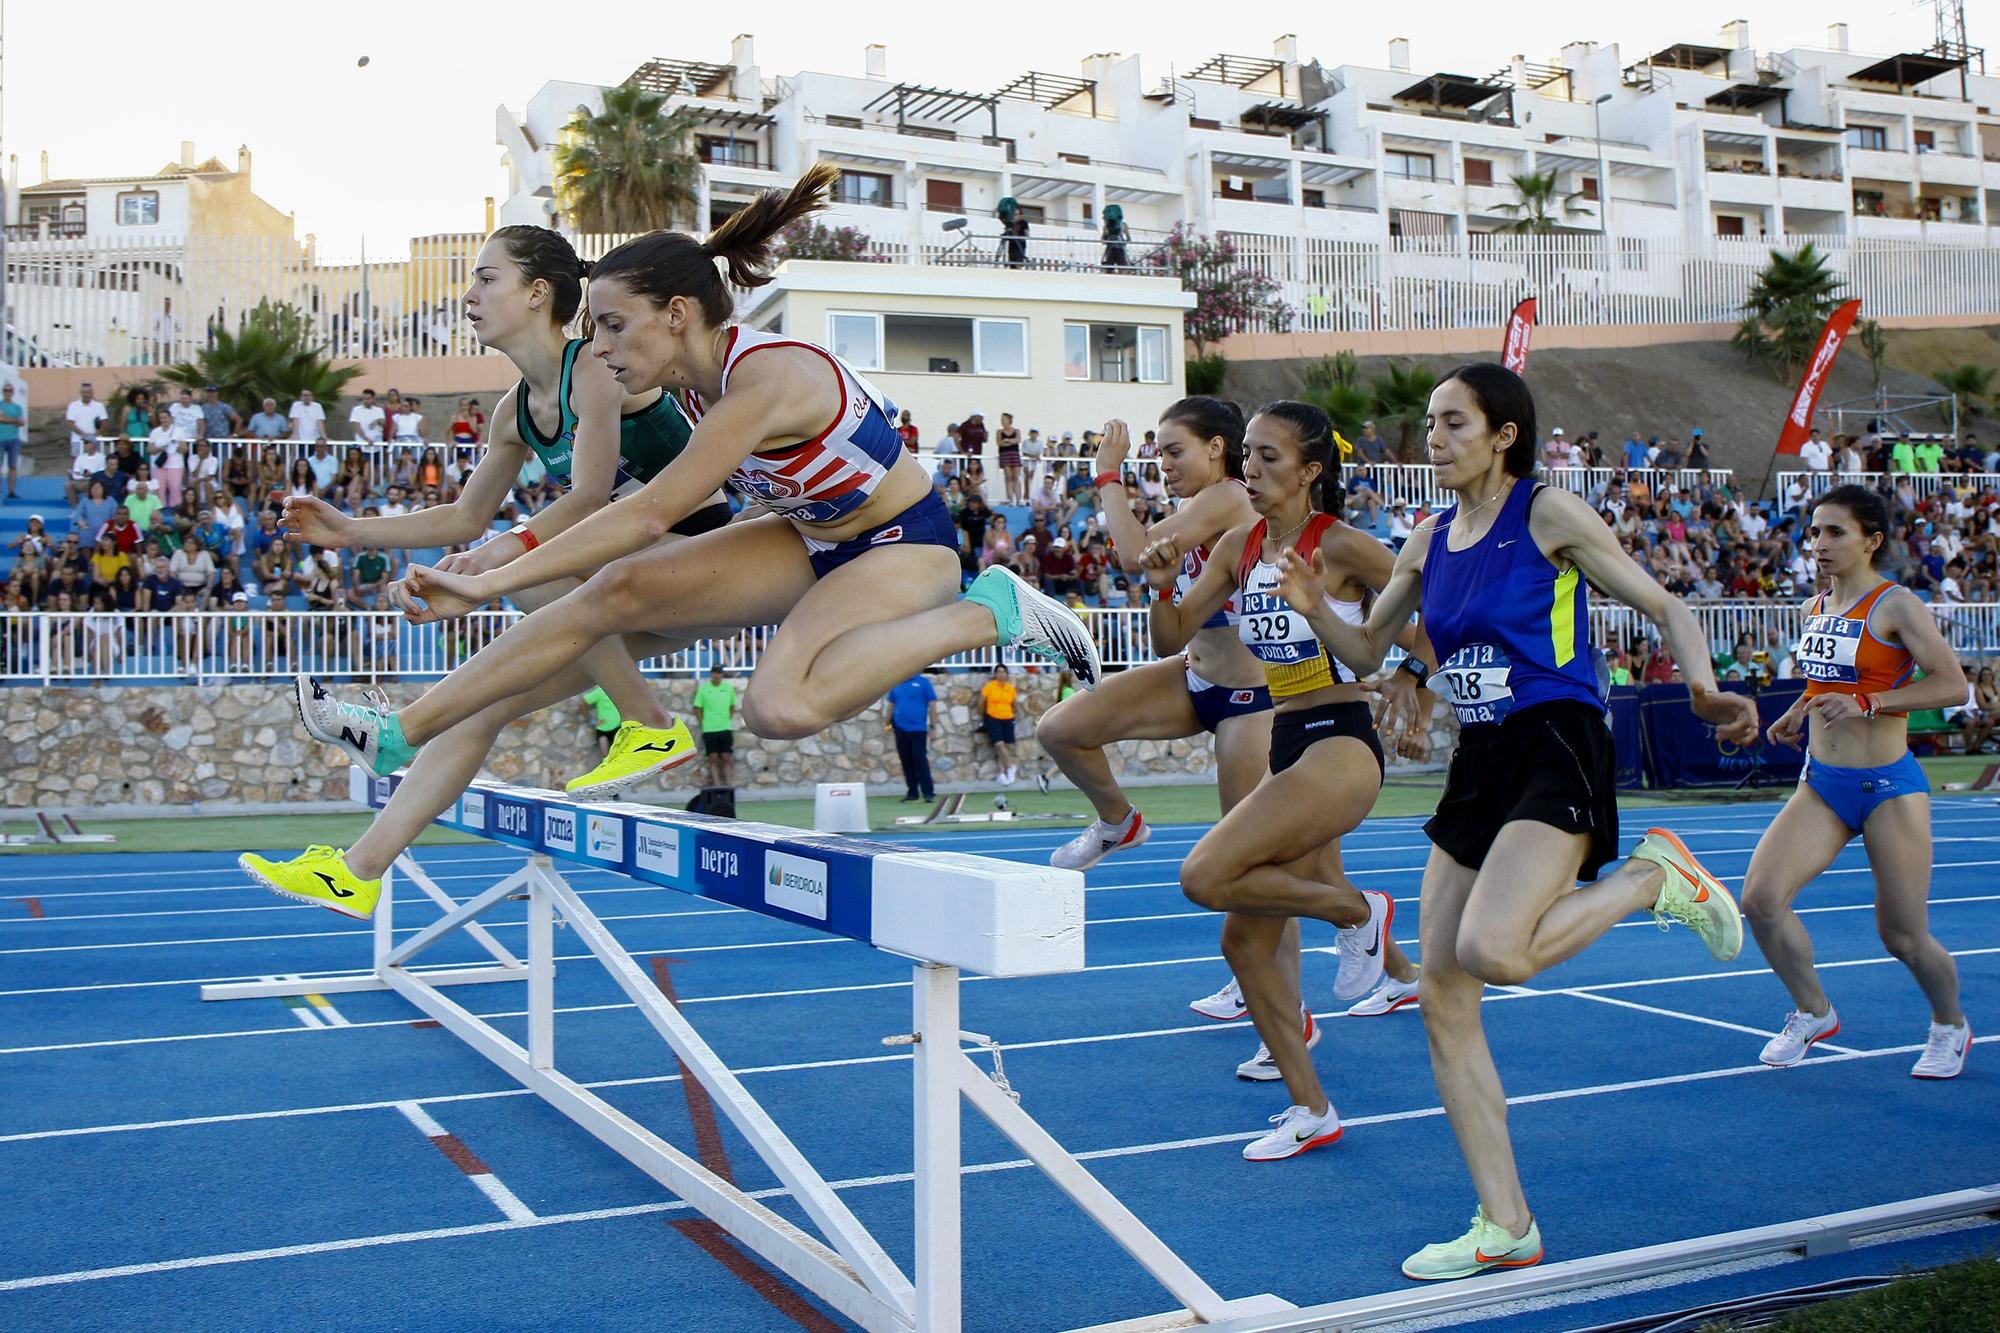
[1865,638]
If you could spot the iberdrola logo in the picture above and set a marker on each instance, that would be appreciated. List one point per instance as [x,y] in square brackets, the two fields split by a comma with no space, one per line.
[777,877]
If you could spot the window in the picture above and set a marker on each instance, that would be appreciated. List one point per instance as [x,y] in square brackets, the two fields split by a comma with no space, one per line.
[1076,351]
[1871,204]
[1478,171]
[866,188]
[1868,136]
[942,196]
[856,338]
[1926,140]
[1728,226]
[844,122]
[1000,346]
[1314,198]
[1116,353]
[737,152]
[1152,355]
[1587,186]
[1412,166]
[1234,187]
[139,209]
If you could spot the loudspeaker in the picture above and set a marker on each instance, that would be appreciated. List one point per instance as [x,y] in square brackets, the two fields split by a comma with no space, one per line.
[718,801]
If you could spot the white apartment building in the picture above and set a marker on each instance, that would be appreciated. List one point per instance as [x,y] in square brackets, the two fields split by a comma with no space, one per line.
[1693,141]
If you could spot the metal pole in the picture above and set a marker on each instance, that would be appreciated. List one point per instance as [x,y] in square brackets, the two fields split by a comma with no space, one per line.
[1603,185]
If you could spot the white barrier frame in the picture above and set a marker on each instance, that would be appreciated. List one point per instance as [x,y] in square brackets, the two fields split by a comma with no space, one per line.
[850,1271]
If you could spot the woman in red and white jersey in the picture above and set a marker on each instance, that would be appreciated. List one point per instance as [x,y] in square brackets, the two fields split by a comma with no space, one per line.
[856,558]
[1865,638]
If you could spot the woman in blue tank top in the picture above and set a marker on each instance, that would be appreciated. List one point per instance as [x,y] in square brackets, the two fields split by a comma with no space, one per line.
[1529,804]
[526,286]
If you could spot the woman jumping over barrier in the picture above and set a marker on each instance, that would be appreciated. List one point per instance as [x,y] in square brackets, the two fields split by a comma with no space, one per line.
[1215,685]
[1529,803]
[569,413]
[1860,777]
[1275,854]
[857,560]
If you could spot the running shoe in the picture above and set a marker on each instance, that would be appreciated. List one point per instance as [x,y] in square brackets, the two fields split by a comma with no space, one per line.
[637,753]
[1225,1006]
[1360,948]
[1691,895]
[1487,1245]
[1042,781]
[1037,624]
[1006,777]
[1261,1068]
[369,732]
[1298,1130]
[1390,996]
[319,876]
[1801,1030]
[1098,841]
[1944,1053]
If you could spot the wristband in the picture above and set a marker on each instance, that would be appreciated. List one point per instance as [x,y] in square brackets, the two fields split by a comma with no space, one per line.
[1106,479]
[527,538]
[1415,668]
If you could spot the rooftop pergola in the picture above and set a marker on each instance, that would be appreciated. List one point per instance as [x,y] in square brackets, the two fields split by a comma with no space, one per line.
[1049,90]
[1463,93]
[908,101]
[684,78]
[1237,71]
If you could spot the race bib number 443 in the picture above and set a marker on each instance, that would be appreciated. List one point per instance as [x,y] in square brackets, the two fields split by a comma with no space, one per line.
[1474,682]
[1828,648]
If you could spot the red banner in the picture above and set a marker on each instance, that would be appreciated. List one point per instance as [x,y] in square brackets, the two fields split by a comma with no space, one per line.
[1798,422]
[1520,326]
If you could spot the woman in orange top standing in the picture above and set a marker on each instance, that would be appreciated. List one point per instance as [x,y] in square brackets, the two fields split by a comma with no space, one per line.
[1865,637]
[996,719]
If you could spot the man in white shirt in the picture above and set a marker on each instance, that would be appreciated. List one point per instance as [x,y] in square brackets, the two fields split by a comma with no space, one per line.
[394,507]
[187,419]
[231,518]
[308,418]
[1816,453]
[324,466]
[1750,522]
[84,415]
[82,468]
[367,419]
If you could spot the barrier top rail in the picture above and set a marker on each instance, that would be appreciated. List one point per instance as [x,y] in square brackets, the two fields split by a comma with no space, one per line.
[997,918]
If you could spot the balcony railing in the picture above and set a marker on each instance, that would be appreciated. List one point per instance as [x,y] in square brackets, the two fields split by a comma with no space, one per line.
[43,230]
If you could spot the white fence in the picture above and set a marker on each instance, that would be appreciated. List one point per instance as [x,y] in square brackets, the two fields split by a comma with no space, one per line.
[188,646]
[1923,485]
[111,300]
[1417,483]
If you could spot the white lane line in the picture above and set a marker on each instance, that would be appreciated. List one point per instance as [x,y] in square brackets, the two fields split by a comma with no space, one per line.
[1670,1013]
[1491,996]
[308,907]
[462,1157]
[862,1182]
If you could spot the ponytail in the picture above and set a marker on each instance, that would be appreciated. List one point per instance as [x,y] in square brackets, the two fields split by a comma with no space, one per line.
[543,255]
[1313,430]
[664,264]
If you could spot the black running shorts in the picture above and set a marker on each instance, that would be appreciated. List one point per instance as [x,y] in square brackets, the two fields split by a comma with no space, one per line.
[1296,730]
[1551,763]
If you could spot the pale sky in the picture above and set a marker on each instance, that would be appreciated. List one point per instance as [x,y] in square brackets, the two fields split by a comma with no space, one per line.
[406,146]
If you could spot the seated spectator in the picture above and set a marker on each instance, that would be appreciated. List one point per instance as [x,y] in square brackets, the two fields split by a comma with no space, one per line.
[1092,568]
[90,465]
[103,634]
[1120,594]
[125,588]
[31,573]
[123,530]
[372,573]
[159,590]
[318,578]
[106,560]
[999,545]
[1400,526]
[35,541]
[204,473]
[141,504]
[93,511]
[323,467]
[1059,569]
[194,567]
[1363,498]
[1026,560]
[271,569]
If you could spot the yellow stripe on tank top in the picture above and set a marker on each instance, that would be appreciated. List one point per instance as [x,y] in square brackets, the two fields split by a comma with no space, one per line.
[1299,677]
[1562,616]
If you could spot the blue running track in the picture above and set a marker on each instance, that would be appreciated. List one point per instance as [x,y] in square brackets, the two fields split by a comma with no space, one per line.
[265,1164]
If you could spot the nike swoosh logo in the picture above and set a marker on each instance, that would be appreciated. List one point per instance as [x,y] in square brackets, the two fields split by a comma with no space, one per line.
[1374,948]
[1509,542]
[1702,897]
[1485,1258]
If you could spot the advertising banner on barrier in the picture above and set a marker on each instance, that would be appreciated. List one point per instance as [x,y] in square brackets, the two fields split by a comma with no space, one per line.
[1798,421]
[1682,750]
[1520,328]
[1622,703]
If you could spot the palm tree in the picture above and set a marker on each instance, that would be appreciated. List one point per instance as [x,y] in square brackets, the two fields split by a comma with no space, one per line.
[1784,309]
[629,167]
[273,354]
[1333,386]
[1874,340]
[1540,204]
[1402,400]
[1969,384]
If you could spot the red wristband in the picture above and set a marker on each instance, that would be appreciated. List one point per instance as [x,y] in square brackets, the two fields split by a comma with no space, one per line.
[1106,479]
[527,538]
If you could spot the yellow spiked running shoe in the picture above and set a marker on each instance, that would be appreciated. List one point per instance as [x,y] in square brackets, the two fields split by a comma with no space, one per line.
[637,753]
[1487,1245]
[319,876]
[1691,895]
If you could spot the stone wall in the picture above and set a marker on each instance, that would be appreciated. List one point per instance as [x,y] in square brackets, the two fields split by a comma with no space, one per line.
[225,745]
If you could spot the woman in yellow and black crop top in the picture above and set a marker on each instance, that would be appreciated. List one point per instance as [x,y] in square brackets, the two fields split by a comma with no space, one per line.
[1275,856]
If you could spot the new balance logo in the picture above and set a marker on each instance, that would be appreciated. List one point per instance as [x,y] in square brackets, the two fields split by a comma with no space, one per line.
[349,736]
[332,887]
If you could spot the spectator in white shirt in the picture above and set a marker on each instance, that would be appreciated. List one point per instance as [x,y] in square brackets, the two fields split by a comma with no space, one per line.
[308,418]
[82,468]
[84,415]
[324,466]
[1750,522]
[409,423]
[367,419]
[186,419]
[1816,453]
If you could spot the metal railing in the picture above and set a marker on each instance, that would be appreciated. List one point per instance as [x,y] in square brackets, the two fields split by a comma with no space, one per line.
[186,647]
[1923,485]
[1416,483]
[115,300]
